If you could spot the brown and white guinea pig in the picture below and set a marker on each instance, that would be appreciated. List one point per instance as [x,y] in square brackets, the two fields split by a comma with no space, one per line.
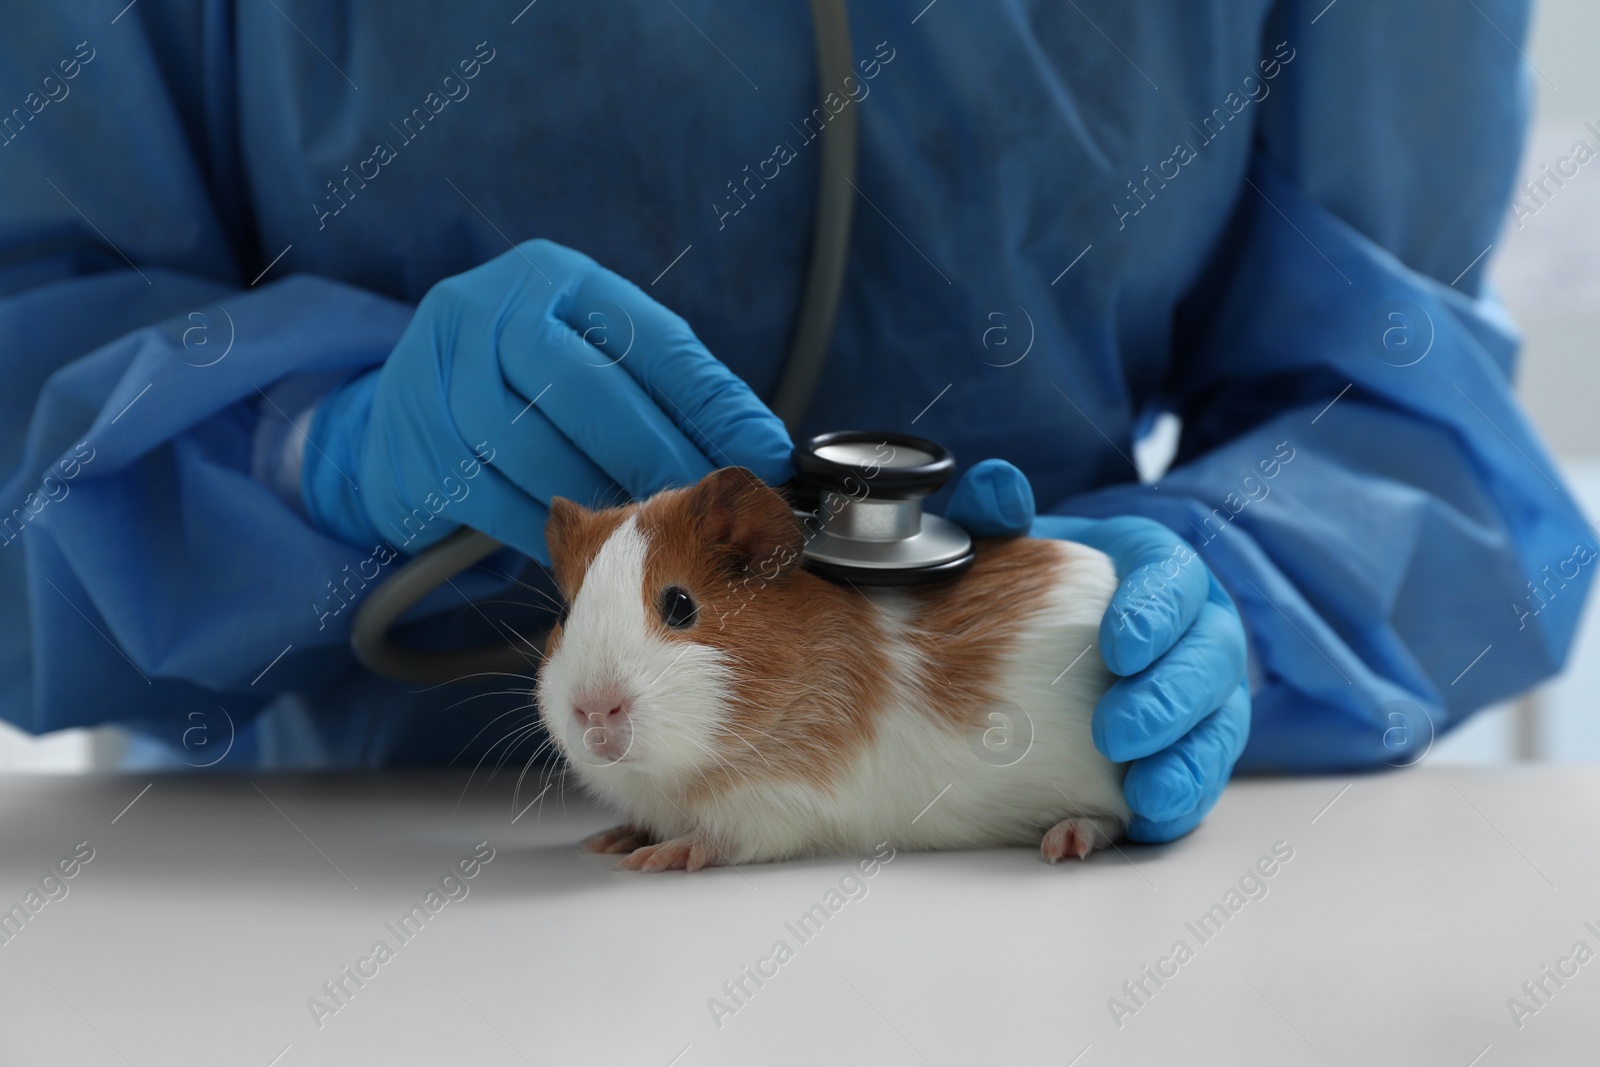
[738,708]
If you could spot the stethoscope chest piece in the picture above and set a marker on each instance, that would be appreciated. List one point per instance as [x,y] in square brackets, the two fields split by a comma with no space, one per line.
[862,512]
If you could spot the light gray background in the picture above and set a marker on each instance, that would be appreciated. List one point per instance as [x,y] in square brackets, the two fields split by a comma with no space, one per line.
[1414,906]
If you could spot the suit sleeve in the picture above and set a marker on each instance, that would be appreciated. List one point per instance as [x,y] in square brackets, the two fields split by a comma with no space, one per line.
[144,573]
[1353,464]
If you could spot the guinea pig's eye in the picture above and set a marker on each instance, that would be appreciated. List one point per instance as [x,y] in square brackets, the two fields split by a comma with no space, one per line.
[678,608]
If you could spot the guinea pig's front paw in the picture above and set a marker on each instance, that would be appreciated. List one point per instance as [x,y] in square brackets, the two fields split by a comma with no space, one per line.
[688,853]
[1079,837]
[624,838]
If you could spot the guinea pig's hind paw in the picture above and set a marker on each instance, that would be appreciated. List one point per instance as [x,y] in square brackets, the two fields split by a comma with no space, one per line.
[1078,837]
[680,854]
[622,838]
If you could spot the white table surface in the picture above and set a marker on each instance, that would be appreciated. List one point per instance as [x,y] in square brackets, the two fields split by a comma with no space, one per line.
[1413,908]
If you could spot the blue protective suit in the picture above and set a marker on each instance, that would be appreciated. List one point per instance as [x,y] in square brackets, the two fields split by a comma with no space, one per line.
[1267,218]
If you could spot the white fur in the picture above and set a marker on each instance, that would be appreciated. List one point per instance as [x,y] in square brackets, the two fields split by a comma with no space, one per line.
[919,785]
[676,689]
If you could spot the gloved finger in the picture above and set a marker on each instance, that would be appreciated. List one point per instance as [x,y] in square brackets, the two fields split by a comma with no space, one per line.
[1171,783]
[539,459]
[1157,832]
[486,500]
[571,337]
[1150,710]
[704,400]
[456,324]
[578,384]
[501,509]
[496,426]
[608,418]
[1163,586]
[570,409]
[586,434]
[992,499]
[459,489]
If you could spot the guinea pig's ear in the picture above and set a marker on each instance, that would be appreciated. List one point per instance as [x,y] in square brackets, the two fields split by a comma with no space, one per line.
[734,508]
[564,519]
[561,528]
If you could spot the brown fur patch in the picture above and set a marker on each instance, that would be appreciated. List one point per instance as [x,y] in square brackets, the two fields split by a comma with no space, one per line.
[963,629]
[812,670]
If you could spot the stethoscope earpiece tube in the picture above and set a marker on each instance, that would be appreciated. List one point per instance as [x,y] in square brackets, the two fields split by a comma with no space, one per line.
[936,549]
[429,569]
[830,232]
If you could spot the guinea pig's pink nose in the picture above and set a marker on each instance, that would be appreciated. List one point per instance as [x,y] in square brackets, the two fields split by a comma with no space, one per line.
[603,717]
[600,709]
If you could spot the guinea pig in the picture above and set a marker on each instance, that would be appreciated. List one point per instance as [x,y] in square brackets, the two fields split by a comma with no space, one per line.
[738,708]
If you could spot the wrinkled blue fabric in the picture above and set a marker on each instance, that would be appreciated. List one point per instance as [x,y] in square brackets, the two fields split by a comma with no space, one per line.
[1070,218]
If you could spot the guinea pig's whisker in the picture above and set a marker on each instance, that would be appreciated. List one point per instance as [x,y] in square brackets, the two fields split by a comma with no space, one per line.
[554,601]
[503,625]
[512,737]
[725,728]
[521,734]
[535,649]
[616,496]
[490,749]
[523,770]
[517,793]
[529,678]
[491,722]
[735,771]
[755,730]
[550,771]
[699,773]
[480,696]
[514,731]
[550,779]
[486,603]
[507,576]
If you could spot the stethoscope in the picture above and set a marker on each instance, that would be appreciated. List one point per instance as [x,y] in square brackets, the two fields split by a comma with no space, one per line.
[857,494]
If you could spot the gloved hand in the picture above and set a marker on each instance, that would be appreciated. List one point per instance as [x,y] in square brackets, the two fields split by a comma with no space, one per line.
[538,374]
[1180,712]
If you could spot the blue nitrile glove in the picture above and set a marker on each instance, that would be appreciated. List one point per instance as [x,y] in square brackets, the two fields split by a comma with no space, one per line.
[1180,713]
[538,374]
